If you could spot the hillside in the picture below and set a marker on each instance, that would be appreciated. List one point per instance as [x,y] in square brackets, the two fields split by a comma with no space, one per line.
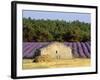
[55,30]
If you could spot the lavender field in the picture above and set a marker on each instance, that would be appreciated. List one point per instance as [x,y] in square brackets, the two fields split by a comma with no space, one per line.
[79,49]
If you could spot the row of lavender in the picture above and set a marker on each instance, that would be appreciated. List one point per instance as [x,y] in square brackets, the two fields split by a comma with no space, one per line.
[79,49]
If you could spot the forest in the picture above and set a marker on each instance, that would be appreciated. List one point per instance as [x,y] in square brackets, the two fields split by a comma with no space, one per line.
[40,30]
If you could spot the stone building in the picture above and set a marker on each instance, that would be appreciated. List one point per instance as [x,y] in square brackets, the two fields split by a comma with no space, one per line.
[57,50]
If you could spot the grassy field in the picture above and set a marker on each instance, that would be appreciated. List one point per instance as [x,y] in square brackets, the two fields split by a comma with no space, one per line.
[77,62]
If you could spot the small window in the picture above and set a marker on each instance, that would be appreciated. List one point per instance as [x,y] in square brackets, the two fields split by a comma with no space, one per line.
[56,51]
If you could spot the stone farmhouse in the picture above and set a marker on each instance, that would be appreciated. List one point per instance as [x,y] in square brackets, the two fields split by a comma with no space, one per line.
[56,50]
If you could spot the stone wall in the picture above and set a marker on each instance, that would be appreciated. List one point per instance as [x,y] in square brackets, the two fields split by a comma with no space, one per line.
[57,50]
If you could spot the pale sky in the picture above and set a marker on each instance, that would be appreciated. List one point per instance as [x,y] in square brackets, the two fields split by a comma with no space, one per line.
[67,16]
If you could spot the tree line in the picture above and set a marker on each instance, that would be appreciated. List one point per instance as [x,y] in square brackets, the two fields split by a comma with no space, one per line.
[40,30]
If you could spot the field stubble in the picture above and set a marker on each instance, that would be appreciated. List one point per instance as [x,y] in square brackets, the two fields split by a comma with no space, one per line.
[76,62]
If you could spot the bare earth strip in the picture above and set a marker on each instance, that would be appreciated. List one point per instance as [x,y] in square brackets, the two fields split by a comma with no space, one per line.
[77,62]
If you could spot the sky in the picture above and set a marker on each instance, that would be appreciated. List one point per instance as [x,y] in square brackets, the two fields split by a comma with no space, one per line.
[67,16]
